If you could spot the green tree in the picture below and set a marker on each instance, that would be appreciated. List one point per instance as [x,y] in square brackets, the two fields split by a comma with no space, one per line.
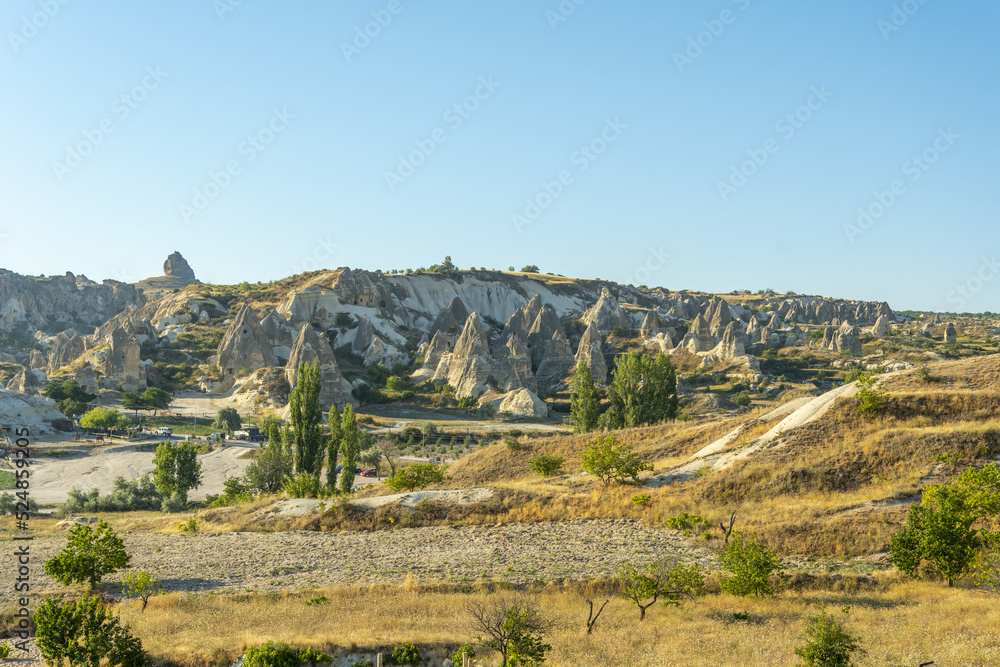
[104,418]
[228,419]
[610,460]
[941,529]
[511,626]
[350,446]
[584,402]
[270,470]
[827,643]
[307,419]
[643,391]
[644,587]
[88,555]
[156,399]
[85,634]
[140,586]
[132,400]
[547,465]
[333,446]
[750,565]
[177,469]
[416,477]
[871,399]
[71,399]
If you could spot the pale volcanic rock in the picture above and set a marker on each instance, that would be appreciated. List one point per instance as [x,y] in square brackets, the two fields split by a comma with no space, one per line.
[244,345]
[557,362]
[650,325]
[589,352]
[310,347]
[606,314]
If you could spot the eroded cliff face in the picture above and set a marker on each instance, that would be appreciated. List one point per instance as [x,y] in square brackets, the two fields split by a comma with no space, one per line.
[37,303]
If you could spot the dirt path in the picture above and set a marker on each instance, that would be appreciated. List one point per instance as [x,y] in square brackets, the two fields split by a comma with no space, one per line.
[517,553]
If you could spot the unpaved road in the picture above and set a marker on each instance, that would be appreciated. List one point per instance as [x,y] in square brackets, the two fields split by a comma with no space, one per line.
[517,553]
[52,479]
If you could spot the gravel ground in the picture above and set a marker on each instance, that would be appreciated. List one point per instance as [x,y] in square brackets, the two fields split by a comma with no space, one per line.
[516,553]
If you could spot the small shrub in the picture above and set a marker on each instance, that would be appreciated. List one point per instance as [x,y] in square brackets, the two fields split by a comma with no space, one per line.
[742,399]
[547,465]
[467,649]
[4,651]
[141,586]
[687,522]
[641,500]
[512,443]
[405,654]
[317,601]
[85,633]
[416,477]
[189,526]
[827,644]
[278,654]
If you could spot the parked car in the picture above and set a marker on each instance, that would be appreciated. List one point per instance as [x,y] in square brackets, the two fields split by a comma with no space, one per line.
[368,473]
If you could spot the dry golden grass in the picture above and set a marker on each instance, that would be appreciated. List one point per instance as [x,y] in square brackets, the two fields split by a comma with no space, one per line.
[901,624]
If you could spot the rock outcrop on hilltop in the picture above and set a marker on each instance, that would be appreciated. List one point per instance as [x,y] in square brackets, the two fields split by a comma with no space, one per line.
[310,347]
[177,266]
[244,346]
[29,304]
[845,339]
[589,352]
[950,333]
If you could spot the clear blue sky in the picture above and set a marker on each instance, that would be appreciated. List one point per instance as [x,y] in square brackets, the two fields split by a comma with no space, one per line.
[317,195]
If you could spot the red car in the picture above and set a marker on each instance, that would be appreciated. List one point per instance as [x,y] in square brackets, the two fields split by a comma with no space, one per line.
[368,473]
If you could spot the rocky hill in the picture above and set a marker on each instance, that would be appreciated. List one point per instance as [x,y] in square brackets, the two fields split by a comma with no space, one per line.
[177,274]
[503,338]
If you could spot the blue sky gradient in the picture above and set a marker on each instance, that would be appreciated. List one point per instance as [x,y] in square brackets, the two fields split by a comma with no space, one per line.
[317,195]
